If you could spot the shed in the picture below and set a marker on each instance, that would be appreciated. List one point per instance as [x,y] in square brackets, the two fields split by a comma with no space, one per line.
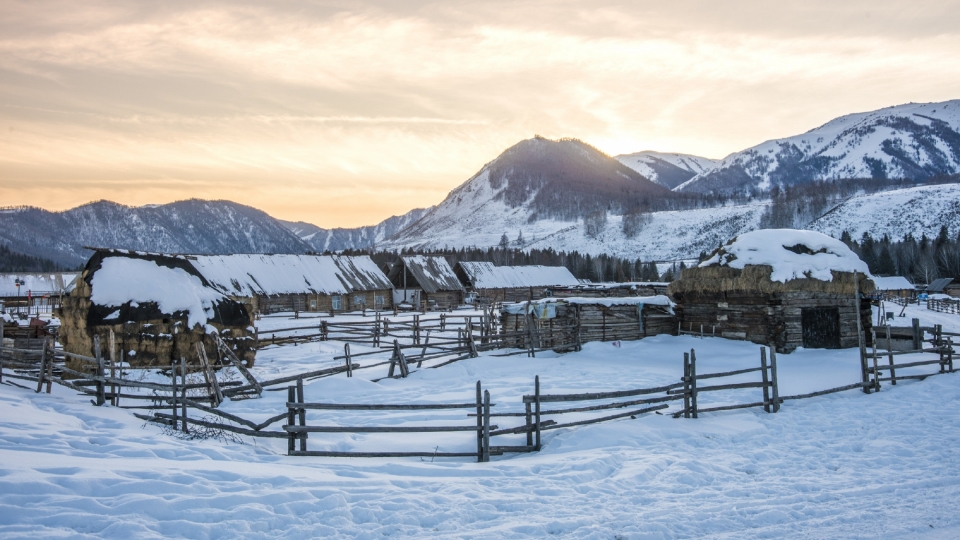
[610,290]
[158,307]
[511,283]
[780,287]
[432,276]
[561,321]
[37,292]
[948,286]
[897,287]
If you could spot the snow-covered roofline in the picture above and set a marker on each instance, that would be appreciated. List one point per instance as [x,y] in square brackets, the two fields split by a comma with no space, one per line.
[274,274]
[793,254]
[658,300]
[486,275]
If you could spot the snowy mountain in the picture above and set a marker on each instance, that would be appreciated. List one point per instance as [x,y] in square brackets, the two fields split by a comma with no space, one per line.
[916,141]
[192,226]
[683,234]
[536,187]
[668,170]
[361,237]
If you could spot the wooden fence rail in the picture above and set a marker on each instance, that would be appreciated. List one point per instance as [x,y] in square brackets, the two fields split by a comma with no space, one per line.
[298,430]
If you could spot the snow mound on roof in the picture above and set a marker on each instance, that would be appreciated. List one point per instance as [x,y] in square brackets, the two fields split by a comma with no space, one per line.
[121,280]
[486,275]
[792,253]
[658,300]
[893,283]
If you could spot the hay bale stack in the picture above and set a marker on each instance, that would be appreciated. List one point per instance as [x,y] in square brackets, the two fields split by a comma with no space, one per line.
[144,335]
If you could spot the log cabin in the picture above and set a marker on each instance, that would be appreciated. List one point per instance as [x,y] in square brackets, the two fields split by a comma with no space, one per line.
[779,287]
[437,284]
[494,283]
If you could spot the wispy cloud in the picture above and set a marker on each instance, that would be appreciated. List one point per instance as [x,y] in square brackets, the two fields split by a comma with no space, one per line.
[273,104]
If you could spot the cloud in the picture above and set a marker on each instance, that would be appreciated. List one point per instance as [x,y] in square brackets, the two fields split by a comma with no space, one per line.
[405,100]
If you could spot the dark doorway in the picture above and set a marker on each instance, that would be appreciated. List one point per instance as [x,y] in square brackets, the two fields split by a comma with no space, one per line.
[821,328]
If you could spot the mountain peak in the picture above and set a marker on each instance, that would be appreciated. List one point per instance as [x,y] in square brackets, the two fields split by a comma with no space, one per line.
[915,141]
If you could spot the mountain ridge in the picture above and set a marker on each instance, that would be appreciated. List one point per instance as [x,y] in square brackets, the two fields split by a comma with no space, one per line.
[914,140]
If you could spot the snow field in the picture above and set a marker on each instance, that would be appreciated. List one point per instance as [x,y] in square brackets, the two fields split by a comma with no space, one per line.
[842,465]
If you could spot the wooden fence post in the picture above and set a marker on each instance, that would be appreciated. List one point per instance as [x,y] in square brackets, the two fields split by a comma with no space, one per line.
[49,346]
[893,372]
[101,388]
[950,352]
[479,424]
[1,349]
[774,379]
[43,367]
[404,369]
[529,424]
[346,352]
[537,409]
[302,413]
[173,395]
[917,335]
[766,379]
[876,371]
[486,426]
[291,419]
[183,394]
[693,382]
[686,385]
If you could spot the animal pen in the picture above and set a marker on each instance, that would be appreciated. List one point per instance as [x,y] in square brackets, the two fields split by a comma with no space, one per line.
[564,324]
[188,400]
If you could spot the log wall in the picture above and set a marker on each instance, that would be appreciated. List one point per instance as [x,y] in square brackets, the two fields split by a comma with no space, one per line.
[582,323]
[768,319]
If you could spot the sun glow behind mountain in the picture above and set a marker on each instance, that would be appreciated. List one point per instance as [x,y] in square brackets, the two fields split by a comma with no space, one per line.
[342,114]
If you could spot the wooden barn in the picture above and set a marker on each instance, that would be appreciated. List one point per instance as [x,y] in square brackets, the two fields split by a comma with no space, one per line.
[779,287]
[274,283]
[948,286]
[895,286]
[511,283]
[609,290]
[158,309]
[437,283]
[29,294]
[560,322]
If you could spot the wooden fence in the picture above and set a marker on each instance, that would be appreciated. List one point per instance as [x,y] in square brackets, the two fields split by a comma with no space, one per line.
[298,430]
[941,345]
[944,306]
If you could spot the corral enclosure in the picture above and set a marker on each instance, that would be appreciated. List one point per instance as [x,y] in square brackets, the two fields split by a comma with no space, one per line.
[568,322]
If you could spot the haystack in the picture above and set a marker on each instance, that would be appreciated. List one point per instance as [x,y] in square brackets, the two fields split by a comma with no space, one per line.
[158,308]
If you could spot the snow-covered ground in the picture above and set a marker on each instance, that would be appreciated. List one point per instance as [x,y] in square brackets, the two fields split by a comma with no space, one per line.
[842,465]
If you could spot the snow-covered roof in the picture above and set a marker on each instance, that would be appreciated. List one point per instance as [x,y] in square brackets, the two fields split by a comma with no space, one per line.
[486,275]
[259,274]
[658,300]
[792,253]
[633,285]
[123,280]
[37,283]
[433,274]
[893,283]
[938,285]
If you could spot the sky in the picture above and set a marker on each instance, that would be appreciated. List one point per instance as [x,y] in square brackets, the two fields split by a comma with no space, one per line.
[342,114]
